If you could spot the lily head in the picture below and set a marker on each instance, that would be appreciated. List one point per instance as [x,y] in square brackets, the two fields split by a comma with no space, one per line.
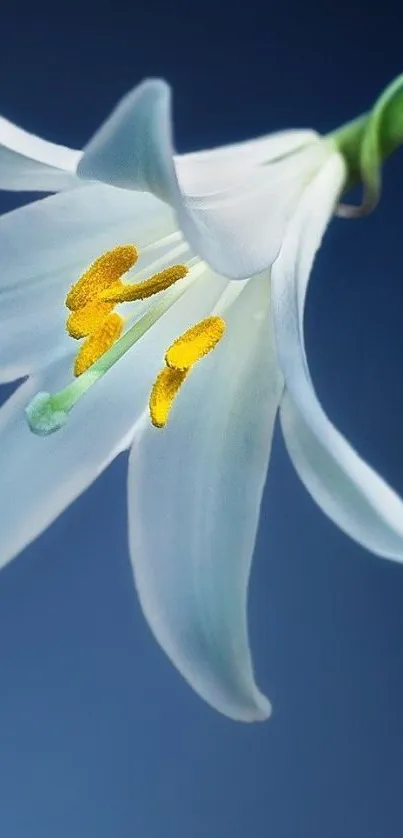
[184,278]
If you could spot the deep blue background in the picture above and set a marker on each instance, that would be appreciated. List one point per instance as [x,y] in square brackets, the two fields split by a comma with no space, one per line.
[99,736]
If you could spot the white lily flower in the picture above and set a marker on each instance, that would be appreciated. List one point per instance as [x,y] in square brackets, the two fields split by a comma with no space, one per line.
[253,212]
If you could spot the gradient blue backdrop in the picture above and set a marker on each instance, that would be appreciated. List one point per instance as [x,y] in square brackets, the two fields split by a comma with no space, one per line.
[99,736]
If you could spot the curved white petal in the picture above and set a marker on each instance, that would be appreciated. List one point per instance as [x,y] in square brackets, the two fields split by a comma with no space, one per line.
[40,476]
[28,163]
[212,170]
[343,485]
[232,205]
[45,246]
[194,499]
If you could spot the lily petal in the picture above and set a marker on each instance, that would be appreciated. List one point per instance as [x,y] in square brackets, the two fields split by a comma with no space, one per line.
[342,484]
[41,476]
[232,205]
[45,246]
[195,490]
[28,163]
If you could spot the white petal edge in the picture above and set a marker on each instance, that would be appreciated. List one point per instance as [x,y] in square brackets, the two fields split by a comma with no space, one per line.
[41,476]
[29,163]
[45,246]
[343,485]
[232,205]
[194,497]
[348,491]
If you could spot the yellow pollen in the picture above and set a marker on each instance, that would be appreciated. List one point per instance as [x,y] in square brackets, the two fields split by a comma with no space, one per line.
[165,388]
[141,290]
[98,343]
[105,271]
[195,343]
[86,320]
[180,358]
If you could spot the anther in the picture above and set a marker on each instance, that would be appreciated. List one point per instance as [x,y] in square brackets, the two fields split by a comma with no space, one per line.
[165,389]
[194,344]
[86,320]
[98,343]
[181,356]
[105,271]
[141,290]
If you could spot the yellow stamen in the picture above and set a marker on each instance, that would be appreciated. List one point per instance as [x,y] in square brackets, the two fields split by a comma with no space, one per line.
[86,320]
[141,290]
[195,343]
[98,343]
[179,358]
[104,272]
[165,388]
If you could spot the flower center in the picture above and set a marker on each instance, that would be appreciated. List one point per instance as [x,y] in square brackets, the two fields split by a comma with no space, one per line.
[91,301]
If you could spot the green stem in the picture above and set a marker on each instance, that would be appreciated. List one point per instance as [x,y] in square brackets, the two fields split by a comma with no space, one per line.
[366,142]
[348,139]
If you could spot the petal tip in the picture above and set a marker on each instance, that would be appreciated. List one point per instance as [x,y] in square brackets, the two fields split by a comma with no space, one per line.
[131,148]
[259,711]
[248,706]
[153,83]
